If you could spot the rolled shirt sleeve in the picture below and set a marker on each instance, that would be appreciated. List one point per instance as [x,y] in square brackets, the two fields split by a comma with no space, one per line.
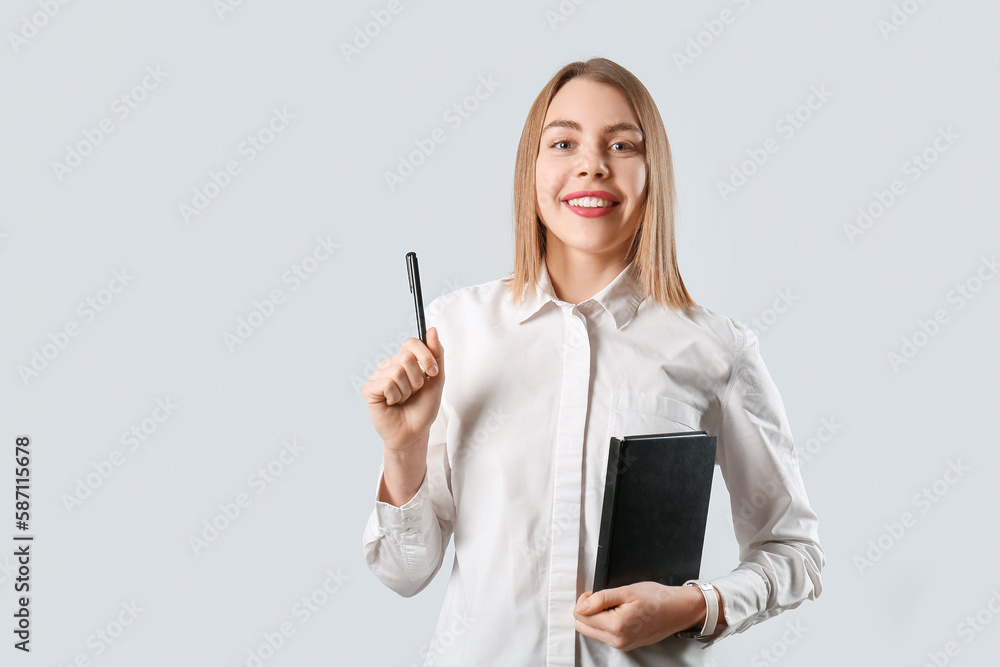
[404,546]
[777,530]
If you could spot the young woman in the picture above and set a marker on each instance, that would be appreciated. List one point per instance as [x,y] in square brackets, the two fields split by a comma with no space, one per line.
[593,335]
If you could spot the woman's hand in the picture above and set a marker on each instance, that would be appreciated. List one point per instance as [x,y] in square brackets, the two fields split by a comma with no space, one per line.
[640,614]
[402,400]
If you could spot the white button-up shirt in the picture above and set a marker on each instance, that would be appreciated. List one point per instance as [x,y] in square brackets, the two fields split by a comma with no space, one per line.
[517,461]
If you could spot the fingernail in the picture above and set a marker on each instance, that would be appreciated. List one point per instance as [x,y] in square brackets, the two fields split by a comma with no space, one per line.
[433,370]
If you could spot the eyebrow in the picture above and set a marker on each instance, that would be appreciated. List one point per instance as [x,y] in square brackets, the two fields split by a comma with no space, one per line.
[608,129]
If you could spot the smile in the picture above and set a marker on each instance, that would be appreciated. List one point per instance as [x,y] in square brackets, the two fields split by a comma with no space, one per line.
[591,202]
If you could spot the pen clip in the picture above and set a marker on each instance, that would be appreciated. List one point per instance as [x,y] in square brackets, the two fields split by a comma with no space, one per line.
[410,259]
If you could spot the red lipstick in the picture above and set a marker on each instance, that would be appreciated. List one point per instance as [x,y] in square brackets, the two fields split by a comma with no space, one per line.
[591,211]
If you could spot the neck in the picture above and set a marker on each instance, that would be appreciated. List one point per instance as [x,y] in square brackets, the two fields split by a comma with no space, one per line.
[577,276]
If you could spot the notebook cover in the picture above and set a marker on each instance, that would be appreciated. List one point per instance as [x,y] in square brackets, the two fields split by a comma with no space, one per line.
[656,499]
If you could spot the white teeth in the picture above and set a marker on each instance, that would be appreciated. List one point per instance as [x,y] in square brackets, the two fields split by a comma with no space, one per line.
[590,202]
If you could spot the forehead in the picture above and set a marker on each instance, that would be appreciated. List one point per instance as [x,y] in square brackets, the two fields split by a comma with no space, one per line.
[590,103]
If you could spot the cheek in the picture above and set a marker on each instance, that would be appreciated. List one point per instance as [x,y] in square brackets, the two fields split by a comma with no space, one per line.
[543,182]
[546,188]
[639,182]
[548,178]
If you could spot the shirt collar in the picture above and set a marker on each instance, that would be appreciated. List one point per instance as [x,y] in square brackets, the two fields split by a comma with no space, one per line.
[621,297]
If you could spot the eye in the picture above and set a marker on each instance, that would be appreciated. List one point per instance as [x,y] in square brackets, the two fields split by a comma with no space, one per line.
[621,146]
[561,144]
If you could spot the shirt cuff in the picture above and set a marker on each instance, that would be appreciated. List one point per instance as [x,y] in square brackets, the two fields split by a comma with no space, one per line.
[744,595]
[407,522]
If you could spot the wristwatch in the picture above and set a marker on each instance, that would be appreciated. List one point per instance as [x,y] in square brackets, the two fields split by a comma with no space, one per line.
[712,614]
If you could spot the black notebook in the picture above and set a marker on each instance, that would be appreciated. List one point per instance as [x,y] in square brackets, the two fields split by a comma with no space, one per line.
[655,508]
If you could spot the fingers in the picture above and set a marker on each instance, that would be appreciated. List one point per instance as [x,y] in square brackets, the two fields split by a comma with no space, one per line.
[597,633]
[400,376]
[630,616]
[402,379]
[599,616]
[601,600]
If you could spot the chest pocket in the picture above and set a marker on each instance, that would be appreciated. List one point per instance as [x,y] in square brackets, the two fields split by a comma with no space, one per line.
[637,413]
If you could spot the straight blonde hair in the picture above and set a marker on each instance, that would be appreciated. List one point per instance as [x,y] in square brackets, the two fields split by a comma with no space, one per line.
[653,249]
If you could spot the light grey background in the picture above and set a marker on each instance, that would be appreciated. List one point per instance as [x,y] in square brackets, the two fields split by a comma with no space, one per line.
[848,303]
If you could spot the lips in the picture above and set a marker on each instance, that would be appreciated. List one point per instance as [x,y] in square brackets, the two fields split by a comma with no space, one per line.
[590,203]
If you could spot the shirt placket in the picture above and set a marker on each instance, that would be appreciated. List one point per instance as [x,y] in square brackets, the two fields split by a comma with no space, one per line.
[564,530]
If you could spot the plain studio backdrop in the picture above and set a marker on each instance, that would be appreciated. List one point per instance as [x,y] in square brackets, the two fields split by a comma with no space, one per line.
[205,209]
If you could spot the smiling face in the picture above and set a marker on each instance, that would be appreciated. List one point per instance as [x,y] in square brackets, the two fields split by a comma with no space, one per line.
[590,175]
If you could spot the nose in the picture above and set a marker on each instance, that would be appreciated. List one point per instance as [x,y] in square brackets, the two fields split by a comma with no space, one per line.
[592,162]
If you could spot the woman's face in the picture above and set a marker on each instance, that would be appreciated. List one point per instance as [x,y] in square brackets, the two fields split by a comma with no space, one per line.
[590,176]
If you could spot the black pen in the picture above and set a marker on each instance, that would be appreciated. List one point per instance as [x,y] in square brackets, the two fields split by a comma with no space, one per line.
[413,272]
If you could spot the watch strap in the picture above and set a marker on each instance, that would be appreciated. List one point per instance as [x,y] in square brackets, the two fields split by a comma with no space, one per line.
[711,613]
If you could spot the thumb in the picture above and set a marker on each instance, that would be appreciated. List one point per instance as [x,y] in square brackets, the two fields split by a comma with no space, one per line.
[434,345]
[601,600]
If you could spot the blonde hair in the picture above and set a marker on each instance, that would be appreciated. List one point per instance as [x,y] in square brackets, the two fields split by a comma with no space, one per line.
[653,249]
